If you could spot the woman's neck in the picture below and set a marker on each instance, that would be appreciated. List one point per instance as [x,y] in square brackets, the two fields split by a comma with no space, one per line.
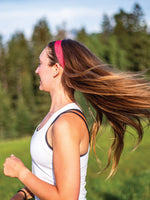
[59,100]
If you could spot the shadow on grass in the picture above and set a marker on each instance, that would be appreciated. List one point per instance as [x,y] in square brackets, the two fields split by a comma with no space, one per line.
[107,196]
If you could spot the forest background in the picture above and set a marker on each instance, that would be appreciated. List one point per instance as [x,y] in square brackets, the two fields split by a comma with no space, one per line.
[124,43]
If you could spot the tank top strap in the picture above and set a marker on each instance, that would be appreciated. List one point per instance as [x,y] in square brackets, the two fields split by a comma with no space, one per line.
[53,118]
[75,111]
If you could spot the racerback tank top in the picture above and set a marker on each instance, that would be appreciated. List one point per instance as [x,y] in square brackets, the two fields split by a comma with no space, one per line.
[42,153]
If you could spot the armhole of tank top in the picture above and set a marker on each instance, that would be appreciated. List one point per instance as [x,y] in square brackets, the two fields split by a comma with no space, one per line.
[75,111]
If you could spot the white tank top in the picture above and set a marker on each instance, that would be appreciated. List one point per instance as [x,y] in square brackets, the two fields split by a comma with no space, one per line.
[42,154]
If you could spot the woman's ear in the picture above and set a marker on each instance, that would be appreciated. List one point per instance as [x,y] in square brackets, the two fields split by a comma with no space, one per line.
[57,69]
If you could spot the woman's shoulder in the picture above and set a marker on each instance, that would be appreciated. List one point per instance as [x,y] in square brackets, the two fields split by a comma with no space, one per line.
[71,129]
[68,124]
[66,131]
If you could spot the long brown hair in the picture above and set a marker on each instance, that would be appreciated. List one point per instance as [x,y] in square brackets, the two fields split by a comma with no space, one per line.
[124,98]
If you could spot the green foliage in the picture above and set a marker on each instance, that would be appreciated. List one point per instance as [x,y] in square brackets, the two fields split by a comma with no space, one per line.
[117,56]
[82,35]
[19,148]
[41,32]
[27,87]
[140,48]
[40,37]
[106,26]
[23,118]
[130,30]
[7,119]
[18,62]
[3,71]
[125,45]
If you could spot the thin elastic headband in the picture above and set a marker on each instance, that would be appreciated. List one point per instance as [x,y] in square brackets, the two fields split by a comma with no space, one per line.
[59,52]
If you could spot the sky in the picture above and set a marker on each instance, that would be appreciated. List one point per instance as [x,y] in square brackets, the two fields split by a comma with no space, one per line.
[22,15]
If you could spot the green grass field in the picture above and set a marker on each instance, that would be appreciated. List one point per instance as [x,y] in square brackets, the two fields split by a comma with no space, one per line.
[131,182]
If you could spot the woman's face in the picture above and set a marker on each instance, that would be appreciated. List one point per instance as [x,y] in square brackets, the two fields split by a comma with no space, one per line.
[45,72]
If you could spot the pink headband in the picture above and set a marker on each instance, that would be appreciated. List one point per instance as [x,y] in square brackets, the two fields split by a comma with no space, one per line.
[59,52]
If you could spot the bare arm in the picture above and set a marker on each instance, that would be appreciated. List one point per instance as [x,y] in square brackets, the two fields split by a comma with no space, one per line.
[66,151]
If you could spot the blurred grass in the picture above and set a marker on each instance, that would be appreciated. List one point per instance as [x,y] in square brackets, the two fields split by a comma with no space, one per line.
[131,182]
[21,149]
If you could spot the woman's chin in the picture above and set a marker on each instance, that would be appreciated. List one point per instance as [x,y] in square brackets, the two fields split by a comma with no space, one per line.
[40,88]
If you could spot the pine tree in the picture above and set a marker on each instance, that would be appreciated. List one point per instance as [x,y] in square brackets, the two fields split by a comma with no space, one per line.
[18,63]
[24,124]
[7,117]
[106,26]
[3,66]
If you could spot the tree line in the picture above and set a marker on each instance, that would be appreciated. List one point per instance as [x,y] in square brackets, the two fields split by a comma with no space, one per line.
[123,42]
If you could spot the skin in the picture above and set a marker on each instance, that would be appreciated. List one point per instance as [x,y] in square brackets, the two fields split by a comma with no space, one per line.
[68,143]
